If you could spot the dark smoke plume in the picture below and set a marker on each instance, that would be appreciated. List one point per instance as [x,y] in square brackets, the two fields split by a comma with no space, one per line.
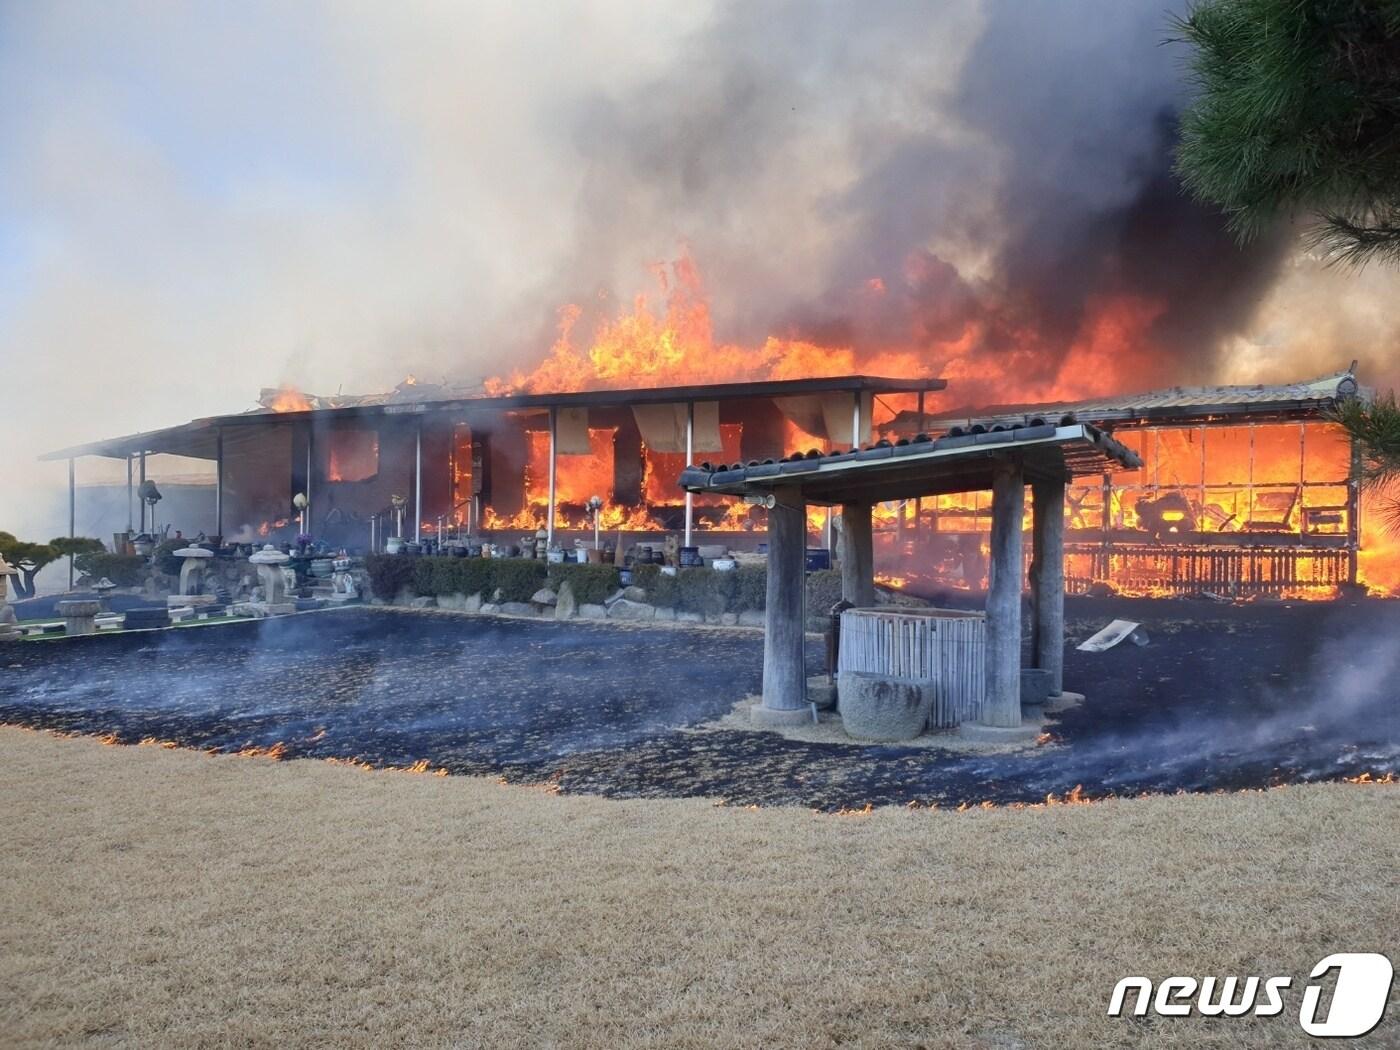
[1014,194]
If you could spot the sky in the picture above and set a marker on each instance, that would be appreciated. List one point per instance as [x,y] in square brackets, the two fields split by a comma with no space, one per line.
[198,200]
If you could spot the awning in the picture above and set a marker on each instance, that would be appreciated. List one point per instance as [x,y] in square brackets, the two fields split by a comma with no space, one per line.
[956,462]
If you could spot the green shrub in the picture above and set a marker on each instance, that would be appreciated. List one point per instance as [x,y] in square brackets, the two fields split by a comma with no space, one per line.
[750,588]
[823,591]
[466,576]
[440,577]
[163,557]
[424,576]
[125,570]
[691,590]
[390,574]
[591,584]
[518,578]
[666,590]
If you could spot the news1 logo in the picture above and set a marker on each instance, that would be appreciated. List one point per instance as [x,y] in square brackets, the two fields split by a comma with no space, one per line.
[1360,992]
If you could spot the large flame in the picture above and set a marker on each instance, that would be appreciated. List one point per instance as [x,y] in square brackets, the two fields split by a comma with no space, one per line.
[648,348]
[1270,485]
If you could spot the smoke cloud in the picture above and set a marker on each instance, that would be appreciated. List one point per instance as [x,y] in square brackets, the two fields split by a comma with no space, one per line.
[199,201]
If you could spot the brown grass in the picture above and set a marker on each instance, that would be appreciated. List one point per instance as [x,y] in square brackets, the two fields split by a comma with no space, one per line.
[156,897]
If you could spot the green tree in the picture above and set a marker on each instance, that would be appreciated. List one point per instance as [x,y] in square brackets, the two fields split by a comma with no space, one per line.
[29,558]
[1298,110]
[1375,427]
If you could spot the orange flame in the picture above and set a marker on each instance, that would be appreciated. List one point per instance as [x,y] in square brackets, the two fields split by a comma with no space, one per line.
[288,399]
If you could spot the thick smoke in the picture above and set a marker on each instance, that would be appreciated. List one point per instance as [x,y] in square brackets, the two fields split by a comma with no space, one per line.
[196,204]
[1008,169]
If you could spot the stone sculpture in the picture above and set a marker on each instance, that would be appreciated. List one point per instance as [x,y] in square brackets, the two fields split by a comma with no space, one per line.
[271,571]
[9,632]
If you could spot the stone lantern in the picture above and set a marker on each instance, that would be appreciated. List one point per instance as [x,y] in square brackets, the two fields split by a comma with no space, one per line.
[8,631]
[270,563]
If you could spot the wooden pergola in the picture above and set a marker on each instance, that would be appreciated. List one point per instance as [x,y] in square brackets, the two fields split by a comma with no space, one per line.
[1005,459]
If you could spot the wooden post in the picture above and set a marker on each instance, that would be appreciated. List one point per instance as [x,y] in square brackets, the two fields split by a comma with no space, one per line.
[553,466]
[1048,580]
[1003,702]
[689,459]
[784,667]
[857,555]
[1353,513]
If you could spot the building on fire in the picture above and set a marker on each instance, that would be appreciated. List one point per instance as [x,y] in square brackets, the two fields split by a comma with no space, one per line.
[1243,489]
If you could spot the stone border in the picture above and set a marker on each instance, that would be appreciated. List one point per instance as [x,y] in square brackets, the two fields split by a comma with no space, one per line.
[828,730]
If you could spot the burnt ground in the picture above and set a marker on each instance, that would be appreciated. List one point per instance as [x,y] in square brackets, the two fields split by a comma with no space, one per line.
[1221,697]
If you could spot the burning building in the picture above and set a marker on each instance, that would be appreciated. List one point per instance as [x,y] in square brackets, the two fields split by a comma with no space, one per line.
[1243,490]
[501,465]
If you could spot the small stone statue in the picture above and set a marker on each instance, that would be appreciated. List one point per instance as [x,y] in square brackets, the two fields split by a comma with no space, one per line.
[9,632]
[342,582]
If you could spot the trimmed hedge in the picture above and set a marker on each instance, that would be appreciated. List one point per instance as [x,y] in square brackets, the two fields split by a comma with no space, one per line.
[744,589]
[392,574]
[518,578]
[690,590]
[591,584]
[823,591]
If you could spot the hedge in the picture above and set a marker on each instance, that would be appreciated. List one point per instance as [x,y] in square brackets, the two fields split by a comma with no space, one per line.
[690,590]
[392,574]
[743,589]
[591,584]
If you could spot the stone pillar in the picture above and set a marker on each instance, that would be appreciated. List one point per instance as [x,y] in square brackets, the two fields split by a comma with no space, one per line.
[1002,707]
[1048,580]
[784,668]
[857,555]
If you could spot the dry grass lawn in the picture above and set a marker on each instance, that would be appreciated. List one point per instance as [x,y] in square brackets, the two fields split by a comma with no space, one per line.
[156,897]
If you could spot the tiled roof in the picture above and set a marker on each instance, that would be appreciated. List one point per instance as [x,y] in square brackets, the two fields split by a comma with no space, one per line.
[1172,401]
[1061,445]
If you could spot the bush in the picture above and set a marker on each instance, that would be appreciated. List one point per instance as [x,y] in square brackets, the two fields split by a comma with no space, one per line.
[518,578]
[823,591]
[750,588]
[391,574]
[646,576]
[163,557]
[125,570]
[591,584]
[691,590]
[465,576]
[704,590]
